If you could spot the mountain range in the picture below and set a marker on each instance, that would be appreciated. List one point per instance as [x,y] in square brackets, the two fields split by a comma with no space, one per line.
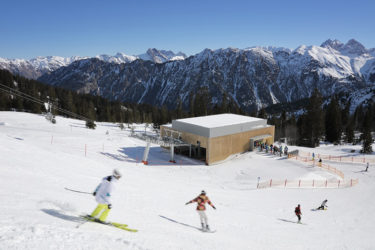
[253,77]
[38,66]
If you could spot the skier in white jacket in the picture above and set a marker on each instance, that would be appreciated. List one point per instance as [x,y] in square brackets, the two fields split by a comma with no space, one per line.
[103,195]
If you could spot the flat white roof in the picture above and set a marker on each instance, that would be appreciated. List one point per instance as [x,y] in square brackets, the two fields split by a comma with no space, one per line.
[221,120]
[218,125]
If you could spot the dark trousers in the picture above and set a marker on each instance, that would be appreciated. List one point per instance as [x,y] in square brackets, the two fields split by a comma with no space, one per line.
[299,217]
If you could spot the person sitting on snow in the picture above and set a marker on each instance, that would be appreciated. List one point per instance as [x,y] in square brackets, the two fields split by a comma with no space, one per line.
[323,205]
[103,196]
[201,207]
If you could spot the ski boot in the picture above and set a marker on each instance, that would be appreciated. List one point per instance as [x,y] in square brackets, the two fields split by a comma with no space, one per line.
[203,227]
[207,228]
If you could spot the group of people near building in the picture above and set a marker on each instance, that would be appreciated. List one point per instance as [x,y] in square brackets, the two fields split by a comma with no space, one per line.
[273,149]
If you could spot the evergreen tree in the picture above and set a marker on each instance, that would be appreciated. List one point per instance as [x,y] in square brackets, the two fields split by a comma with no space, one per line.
[201,102]
[164,116]
[349,131]
[179,111]
[333,121]
[313,124]
[262,113]
[90,124]
[224,104]
[345,115]
[291,132]
[191,104]
[366,132]
[283,120]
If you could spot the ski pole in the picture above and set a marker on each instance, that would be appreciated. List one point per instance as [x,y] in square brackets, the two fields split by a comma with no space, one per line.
[77,191]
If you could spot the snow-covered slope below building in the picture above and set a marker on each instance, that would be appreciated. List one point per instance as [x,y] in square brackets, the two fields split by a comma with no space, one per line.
[39,159]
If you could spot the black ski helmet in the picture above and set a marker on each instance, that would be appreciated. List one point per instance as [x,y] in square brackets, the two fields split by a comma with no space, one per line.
[203,192]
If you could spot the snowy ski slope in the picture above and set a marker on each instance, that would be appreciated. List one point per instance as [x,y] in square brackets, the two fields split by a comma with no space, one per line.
[39,159]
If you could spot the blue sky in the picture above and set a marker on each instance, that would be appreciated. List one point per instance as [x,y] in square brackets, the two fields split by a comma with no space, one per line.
[88,28]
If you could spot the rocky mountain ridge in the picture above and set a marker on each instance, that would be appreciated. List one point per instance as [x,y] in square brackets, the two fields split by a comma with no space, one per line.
[252,77]
[38,66]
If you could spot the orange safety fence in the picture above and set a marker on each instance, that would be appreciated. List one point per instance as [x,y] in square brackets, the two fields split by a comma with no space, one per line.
[318,164]
[354,159]
[307,183]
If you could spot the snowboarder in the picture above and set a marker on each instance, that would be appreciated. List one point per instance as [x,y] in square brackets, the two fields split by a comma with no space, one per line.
[323,205]
[297,210]
[281,150]
[201,207]
[103,196]
[313,156]
[320,162]
[367,165]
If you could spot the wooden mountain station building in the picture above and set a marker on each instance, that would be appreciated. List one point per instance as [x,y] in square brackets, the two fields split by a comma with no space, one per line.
[214,138]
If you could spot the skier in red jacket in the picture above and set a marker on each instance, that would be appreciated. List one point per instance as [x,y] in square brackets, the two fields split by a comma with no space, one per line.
[298,212]
[201,207]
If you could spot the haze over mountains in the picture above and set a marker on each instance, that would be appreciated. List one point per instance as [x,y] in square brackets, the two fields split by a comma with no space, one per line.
[251,77]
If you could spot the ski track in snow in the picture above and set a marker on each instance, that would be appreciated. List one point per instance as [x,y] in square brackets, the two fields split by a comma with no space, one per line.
[39,159]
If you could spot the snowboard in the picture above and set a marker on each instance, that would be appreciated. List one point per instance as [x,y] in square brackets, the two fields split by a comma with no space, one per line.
[110,223]
[316,209]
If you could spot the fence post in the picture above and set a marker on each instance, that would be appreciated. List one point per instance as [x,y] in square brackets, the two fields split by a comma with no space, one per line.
[340,158]
[299,183]
[326,182]
[285,182]
[271,183]
[352,158]
[313,183]
[338,184]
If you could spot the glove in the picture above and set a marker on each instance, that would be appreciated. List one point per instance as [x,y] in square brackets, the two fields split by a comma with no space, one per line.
[186,203]
[109,206]
[94,194]
[214,207]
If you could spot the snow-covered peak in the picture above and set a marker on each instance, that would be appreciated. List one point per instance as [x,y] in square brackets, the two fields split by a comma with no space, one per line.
[353,47]
[118,58]
[161,56]
[334,44]
[269,48]
[301,49]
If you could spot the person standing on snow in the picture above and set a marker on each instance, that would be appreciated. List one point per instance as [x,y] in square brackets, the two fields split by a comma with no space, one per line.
[298,212]
[201,207]
[323,205]
[103,196]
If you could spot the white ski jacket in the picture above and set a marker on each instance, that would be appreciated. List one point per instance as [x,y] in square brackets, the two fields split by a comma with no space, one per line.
[104,190]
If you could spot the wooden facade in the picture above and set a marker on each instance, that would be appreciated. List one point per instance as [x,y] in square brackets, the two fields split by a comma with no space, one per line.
[221,147]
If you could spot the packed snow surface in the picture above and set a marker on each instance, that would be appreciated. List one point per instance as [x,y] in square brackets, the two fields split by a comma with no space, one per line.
[39,159]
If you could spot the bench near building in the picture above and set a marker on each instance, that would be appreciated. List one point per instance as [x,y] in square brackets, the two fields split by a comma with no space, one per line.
[213,138]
